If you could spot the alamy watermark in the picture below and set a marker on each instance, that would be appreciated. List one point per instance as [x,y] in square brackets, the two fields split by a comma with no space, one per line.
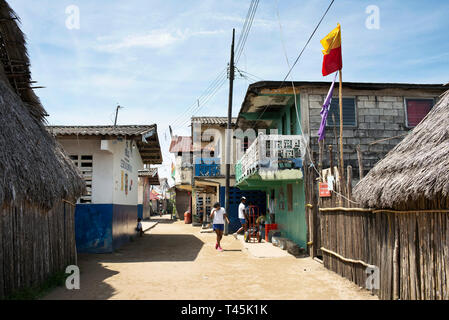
[372,22]
[373,278]
[73,20]
[73,280]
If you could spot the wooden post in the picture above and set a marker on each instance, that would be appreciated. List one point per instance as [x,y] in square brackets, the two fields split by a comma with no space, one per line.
[349,185]
[360,159]
[342,167]
[331,159]
[228,132]
[341,123]
[320,160]
[396,261]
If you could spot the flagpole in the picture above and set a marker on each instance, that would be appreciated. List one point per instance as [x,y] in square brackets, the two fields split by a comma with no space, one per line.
[341,129]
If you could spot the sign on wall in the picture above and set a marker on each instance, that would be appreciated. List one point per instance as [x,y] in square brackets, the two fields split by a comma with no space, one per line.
[324,190]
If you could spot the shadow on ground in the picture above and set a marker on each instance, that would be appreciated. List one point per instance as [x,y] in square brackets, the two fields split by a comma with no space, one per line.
[157,247]
[160,220]
[92,282]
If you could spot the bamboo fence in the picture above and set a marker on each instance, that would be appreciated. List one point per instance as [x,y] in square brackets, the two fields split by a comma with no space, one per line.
[408,248]
[34,244]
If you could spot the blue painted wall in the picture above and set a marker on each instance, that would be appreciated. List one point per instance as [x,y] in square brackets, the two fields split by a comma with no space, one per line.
[257,198]
[103,228]
[124,222]
[93,228]
[140,211]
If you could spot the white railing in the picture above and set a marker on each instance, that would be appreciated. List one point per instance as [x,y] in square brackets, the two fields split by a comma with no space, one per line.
[271,152]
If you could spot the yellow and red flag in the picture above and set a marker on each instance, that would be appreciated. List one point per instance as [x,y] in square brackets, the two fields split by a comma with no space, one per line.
[332,52]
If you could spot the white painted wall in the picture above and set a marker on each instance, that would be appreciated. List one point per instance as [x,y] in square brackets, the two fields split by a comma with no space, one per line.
[102,166]
[127,160]
[107,168]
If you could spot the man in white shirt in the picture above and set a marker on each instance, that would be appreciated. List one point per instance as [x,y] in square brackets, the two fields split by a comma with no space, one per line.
[242,216]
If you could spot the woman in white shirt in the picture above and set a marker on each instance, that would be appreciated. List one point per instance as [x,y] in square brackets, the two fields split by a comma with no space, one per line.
[218,214]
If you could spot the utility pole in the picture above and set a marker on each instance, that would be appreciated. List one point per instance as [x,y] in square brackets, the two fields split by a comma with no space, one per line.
[228,131]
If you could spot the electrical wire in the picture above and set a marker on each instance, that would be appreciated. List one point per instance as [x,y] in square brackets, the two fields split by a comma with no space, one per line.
[245,32]
[219,81]
[296,104]
[299,56]
[308,41]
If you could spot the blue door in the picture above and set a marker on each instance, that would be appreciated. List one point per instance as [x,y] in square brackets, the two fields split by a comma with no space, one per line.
[257,198]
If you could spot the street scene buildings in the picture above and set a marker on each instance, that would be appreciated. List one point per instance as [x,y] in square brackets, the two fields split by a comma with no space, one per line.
[306,189]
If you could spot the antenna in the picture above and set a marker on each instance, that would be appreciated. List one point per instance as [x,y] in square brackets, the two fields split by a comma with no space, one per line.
[116,114]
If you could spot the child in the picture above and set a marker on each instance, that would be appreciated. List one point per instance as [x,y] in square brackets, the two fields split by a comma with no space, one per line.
[139,227]
[218,215]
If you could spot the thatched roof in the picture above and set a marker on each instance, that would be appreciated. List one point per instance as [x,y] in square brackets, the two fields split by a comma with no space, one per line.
[416,169]
[33,166]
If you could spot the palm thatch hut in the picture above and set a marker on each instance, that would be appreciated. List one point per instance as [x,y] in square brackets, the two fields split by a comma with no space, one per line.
[415,174]
[38,182]
[408,193]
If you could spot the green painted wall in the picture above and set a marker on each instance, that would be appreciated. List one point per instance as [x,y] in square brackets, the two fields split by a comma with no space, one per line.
[288,111]
[292,224]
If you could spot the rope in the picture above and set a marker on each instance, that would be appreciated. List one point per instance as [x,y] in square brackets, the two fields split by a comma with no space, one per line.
[348,260]
[382,210]
[68,202]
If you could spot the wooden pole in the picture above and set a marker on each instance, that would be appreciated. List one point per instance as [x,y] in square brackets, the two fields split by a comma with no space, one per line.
[360,159]
[341,123]
[229,137]
[342,167]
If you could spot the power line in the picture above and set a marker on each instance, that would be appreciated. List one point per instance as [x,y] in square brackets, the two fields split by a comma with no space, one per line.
[308,41]
[245,32]
[299,56]
[203,95]
[220,81]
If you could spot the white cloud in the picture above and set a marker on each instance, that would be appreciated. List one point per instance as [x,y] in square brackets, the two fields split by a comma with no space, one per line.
[154,39]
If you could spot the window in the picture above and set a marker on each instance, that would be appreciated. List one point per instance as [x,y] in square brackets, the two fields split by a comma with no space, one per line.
[349,113]
[85,165]
[416,110]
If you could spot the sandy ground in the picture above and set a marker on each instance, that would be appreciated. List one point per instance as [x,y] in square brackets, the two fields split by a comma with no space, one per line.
[175,261]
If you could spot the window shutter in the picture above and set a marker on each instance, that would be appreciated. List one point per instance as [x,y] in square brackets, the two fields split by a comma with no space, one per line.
[349,113]
[417,109]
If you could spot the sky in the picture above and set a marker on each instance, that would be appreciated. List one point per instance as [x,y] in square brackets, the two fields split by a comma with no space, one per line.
[156,58]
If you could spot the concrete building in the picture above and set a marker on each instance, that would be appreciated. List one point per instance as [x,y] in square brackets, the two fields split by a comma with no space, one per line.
[376,116]
[182,149]
[209,170]
[109,158]
[148,178]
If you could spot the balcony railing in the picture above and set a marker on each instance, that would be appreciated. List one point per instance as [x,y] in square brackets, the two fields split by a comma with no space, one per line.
[271,153]
[209,167]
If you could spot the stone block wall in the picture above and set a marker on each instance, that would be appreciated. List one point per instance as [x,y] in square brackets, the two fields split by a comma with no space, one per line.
[380,115]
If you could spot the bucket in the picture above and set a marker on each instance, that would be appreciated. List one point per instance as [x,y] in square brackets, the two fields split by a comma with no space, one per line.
[187,217]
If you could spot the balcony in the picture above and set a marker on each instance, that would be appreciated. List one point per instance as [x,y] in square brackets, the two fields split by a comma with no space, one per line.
[272,157]
[207,167]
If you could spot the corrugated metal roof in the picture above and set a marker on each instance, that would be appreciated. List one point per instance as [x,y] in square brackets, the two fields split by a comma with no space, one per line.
[146,136]
[129,130]
[213,120]
[181,144]
[152,174]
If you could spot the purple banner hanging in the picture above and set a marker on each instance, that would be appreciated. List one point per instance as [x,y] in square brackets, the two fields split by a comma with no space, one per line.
[325,111]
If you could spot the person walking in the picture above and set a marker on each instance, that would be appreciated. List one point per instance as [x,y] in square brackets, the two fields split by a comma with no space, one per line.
[242,216]
[218,216]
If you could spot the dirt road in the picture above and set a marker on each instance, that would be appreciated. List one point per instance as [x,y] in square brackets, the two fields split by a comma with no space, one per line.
[175,261]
